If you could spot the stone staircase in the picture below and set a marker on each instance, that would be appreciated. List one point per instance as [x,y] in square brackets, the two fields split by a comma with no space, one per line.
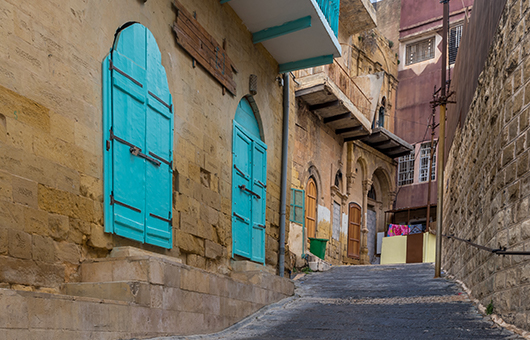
[138,294]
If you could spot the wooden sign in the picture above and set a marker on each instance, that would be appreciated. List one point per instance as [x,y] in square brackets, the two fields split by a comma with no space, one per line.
[203,48]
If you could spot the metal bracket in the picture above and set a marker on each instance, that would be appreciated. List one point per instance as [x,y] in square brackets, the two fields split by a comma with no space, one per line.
[113,201]
[112,67]
[239,216]
[161,218]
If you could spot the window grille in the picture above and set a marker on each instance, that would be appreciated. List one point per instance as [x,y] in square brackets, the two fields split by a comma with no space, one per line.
[455,38]
[425,154]
[420,51]
[406,170]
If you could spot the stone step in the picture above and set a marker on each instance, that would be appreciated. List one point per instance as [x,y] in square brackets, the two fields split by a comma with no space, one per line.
[127,264]
[134,292]
[316,264]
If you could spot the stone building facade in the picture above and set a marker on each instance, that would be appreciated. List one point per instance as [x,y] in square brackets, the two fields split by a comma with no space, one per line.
[351,174]
[70,242]
[486,181]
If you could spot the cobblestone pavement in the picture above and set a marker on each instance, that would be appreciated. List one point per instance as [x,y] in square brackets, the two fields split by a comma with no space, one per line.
[369,302]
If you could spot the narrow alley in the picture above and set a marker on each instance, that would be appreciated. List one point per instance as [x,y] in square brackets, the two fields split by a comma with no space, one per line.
[368,302]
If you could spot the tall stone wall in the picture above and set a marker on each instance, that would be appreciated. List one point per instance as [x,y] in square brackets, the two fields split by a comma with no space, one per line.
[487,183]
[51,188]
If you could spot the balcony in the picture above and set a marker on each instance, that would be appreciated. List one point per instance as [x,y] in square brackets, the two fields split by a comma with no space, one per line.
[300,34]
[348,106]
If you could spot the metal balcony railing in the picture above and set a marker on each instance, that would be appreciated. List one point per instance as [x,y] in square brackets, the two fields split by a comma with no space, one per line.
[331,10]
[340,76]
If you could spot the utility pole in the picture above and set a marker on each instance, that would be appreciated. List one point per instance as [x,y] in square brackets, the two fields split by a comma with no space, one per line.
[441,143]
[431,158]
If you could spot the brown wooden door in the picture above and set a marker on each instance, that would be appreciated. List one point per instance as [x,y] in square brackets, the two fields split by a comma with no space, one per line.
[311,208]
[354,230]
[415,248]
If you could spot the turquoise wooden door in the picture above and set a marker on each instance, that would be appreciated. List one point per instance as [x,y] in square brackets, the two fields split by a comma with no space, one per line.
[138,132]
[249,178]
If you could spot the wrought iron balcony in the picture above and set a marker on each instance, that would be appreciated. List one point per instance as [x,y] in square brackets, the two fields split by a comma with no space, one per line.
[330,92]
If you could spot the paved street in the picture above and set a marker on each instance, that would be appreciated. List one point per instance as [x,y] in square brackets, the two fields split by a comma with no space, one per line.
[369,302]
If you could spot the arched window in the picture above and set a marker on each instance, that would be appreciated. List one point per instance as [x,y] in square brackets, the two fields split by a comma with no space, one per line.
[311,208]
[249,183]
[138,139]
[338,180]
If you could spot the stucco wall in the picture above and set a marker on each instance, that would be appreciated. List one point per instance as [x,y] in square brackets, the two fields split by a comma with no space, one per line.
[51,189]
[487,180]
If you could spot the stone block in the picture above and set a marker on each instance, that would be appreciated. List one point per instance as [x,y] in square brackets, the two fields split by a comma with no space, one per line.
[13,310]
[189,243]
[25,191]
[136,292]
[172,298]
[196,261]
[219,285]
[191,323]
[172,275]
[6,188]
[157,296]
[78,230]
[43,249]
[98,238]
[97,271]
[213,250]
[28,272]
[194,280]
[67,252]
[131,270]
[4,241]
[19,244]
[58,226]
[36,221]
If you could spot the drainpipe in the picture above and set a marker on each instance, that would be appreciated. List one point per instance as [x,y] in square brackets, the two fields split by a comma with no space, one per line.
[285,144]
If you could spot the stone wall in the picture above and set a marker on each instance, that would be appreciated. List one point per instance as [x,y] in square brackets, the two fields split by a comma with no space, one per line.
[487,189]
[51,189]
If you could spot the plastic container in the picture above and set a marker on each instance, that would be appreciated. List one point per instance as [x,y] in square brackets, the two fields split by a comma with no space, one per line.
[317,247]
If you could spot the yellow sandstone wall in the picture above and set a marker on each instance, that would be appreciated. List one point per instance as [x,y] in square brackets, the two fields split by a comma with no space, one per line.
[51,189]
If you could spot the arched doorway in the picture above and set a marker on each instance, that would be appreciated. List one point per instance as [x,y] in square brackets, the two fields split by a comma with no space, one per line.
[249,183]
[311,208]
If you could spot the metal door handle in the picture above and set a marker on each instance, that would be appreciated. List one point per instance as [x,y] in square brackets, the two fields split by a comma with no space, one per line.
[138,152]
[243,187]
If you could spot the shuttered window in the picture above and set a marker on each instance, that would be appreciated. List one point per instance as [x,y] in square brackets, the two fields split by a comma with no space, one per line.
[455,36]
[297,206]
[420,51]
[138,140]
[311,208]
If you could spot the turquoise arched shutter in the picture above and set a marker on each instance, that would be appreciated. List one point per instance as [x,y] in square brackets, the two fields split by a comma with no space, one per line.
[138,130]
[241,197]
[259,176]
[159,143]
[249,186]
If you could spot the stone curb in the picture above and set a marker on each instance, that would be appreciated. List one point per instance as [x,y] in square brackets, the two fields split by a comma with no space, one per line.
[493,317]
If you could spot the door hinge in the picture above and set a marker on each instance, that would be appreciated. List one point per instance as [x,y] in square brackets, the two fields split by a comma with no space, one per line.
[108,145]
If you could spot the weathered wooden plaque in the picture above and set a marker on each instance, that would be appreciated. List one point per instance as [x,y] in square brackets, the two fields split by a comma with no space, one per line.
[202,47]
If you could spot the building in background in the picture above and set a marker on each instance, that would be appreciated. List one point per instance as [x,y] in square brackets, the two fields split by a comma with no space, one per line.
[343,167]
[419,51]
